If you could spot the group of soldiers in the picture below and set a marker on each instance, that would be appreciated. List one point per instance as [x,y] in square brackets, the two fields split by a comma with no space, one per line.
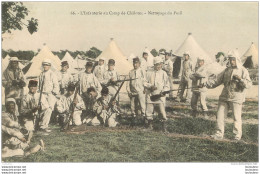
[91,97]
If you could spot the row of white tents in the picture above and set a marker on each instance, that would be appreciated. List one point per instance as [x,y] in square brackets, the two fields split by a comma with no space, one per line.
[124,64]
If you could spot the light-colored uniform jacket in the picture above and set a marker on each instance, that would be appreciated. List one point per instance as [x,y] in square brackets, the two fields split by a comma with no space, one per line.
[51,84]
[7,78]
[143,64]
[63,105]
[233,91]
[168,67]
[160,80]
[197,79]
[89,80]
[107,76]
[137,86]
[187,70]
[64,79]
[99,72]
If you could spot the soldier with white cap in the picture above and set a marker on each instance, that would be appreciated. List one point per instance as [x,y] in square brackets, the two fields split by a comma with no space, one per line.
[187,70]
[100,69]
[13,81]
[199,92]
[236,80]
[64,77]
[168,68]
[158,82]
[136,88]
[50,88]
[15,139]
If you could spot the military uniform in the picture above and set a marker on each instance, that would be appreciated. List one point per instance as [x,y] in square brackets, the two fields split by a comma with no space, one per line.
[64,107]
[64,78]
[159,80]
[144,65]
[89,80]
[232,96]
[168,68]
[187,70]
[198,92]
[111,86]
[136,90]
[99,72]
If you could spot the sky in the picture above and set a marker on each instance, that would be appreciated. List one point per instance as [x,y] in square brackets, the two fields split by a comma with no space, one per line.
[216,26]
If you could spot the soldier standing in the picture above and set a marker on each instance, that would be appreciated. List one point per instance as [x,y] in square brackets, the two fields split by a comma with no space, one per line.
[199,92]
[168,68]
[100,70]
[50,87]
[136,90]
[64,77]
[158,82]
[14,81]
[144,61]
[236,80]
[31,108]
[88,79]
[187,69]
[65,104]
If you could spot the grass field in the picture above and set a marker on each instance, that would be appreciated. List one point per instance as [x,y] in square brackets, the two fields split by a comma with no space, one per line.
[188,140]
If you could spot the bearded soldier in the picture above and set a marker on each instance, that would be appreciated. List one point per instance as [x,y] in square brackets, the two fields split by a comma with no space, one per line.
[168,68]
[158,82]
[88,79]
[136,90]
[14,81]
[199,92]
[64,107]
[100,70]
[14,137]
[31,109]
[64,77]
[236,80]
[110,78]
[50,88]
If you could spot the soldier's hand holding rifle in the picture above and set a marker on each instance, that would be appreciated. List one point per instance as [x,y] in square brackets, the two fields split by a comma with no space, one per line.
[153,88]
[236,77]
[38,108]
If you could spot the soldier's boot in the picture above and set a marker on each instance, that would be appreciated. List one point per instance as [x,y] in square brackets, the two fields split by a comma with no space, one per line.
[194,113]
[150,125]
[133,121]
[205,115]
[36,148]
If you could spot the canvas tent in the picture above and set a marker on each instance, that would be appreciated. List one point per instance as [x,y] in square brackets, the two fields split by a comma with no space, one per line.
[250,58]
[35,67]
[80,63]
[112,51]
[195,51]
[72,63]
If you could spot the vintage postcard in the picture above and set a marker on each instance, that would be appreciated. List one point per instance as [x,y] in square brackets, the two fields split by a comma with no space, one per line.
[171,82]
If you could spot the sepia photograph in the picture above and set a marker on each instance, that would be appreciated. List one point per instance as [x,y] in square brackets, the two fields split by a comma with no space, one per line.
[129,82]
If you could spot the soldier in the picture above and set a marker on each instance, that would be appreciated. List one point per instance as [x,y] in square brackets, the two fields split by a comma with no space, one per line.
[106,114]
[100,70]
[88,79]
[90,117]
[31,110]
[65,104]
[64,77]
[110,78]
[236,80]
[168,68]
[199,92]
[50,86]
[136,90]
[14,81]
[144,61]
[185,82]
[14,137]
[158,82]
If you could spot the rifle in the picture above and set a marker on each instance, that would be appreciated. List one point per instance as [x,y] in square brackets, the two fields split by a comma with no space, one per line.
[118,81]
[66,127]
[158,96]
[37,119]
